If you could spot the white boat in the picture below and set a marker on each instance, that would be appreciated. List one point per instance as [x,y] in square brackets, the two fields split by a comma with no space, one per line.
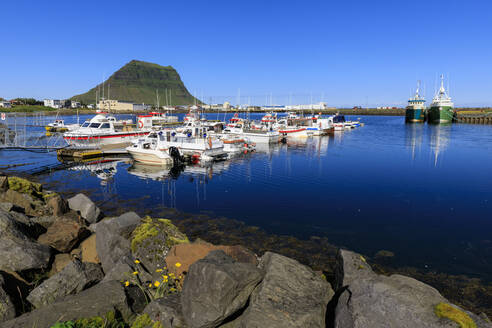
[294,131]
[147,150]
[198,146]
[253,135]
[236,144]
[321,126]
[100,131]
[60,126]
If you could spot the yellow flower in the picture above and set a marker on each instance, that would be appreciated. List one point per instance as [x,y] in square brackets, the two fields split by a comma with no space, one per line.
[172,289]
[165,268]
[150,285]
[127,283]
[362,258]
[177,264]
[157,284]
[158,270]
[135,273]
[137,261]
[164,276]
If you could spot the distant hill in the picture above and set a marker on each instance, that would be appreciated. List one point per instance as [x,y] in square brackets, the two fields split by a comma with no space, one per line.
[138,81]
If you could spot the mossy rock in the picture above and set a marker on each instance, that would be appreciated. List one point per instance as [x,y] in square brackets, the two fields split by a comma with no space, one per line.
[152,240]
[25,186]
[443,310]
[108,321]
[144,321]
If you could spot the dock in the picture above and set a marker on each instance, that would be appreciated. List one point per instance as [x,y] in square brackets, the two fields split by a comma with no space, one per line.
[89,153]
[474,117]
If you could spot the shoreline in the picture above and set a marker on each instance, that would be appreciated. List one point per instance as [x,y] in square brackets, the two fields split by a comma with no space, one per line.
[316,252]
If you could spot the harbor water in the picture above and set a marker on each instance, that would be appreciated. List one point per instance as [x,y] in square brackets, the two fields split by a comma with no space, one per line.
[422,192]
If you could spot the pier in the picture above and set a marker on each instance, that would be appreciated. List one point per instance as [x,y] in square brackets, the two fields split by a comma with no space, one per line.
[474,117]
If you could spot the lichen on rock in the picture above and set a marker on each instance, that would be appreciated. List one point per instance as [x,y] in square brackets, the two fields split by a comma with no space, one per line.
[152,240]
[25,186]
[144,321]
[444,310]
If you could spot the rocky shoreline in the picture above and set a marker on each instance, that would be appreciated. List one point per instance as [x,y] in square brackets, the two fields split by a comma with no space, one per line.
[64,264]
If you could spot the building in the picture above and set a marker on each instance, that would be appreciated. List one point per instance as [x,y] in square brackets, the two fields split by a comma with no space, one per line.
[54,103]
[318,106]
[111,105]
[75,104]
[5,104]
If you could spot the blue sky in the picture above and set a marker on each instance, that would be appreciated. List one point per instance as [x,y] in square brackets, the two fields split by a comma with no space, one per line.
[344,52]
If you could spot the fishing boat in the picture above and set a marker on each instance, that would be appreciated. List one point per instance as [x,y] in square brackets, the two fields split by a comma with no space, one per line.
[60,126]
[339,122]
[253,135]
[321,126]
[161,146]
[442,108]
[415,111]
[292,131]
[234,144]
[100,131]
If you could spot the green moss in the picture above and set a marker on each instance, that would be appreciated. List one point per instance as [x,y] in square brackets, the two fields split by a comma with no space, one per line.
[144,231]
[25,186]
[144,321]
[151,228]
[443,310]
[107,321]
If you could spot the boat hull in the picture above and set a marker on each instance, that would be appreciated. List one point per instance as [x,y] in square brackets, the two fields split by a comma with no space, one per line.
[150,157]
[85,140]
[295,133]
[413,115]
[441,114]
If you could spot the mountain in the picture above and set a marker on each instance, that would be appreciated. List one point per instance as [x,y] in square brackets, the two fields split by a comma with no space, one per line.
[138,81]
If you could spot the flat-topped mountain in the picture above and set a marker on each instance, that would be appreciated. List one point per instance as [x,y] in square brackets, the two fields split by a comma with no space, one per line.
[138,81]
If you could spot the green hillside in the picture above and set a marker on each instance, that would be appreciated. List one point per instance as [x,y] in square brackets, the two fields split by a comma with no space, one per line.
[138,81]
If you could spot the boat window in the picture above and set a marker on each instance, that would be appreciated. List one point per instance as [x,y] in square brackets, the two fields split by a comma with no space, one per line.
[86,124]
[105,126]
[94,125]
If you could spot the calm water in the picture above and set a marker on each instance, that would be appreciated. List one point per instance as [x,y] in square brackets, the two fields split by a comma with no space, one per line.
[422,192]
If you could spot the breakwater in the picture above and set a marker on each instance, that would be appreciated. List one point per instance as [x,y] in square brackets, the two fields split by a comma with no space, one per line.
[77,265]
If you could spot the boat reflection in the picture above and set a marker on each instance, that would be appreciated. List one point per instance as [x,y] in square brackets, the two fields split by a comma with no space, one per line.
[166,172]
[413,137]
[439,140]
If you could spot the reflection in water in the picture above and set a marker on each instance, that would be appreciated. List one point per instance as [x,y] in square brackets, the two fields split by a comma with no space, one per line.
[413,137]
[103,169]
[439,139]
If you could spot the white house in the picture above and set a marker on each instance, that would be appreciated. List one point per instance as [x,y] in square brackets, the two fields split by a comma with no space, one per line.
[54,103]
[75,104]
[5,104]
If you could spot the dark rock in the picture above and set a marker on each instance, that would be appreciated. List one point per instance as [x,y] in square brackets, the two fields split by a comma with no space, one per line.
[17,251]
[7,207]
[290,295]
[63,235]
[75,277]
[7,308]
[215,288]
[30,205]
[95,301]
[4,183]
[137,299]
[86,207]
[371,300]
[57,205]
[167,310]
[60,262]
[152,240]
[112,239]
[123,269]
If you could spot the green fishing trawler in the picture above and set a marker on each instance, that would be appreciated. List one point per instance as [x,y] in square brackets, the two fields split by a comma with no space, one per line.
[415,111]
[442,108]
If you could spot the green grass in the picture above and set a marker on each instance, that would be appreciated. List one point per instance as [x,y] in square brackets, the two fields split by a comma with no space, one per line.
[27,108]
